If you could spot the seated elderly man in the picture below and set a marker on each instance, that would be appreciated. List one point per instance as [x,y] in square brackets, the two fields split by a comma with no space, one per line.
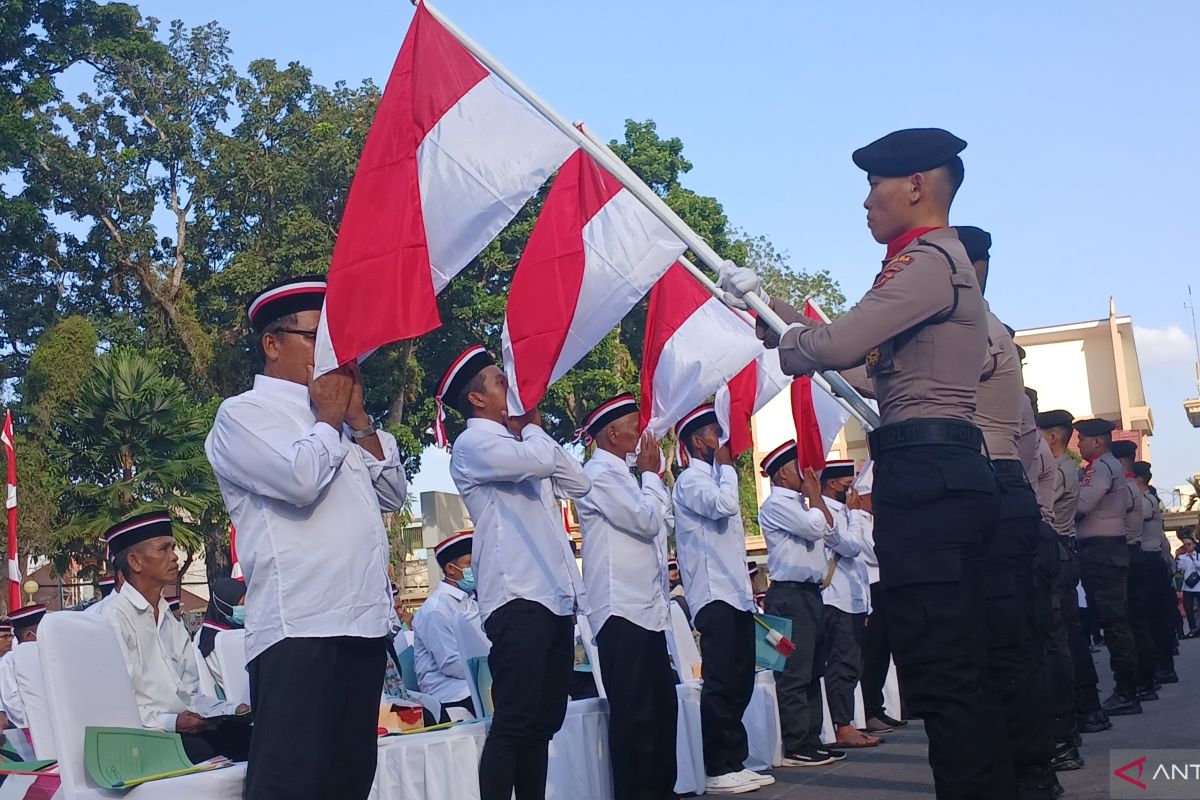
[157,650]
[24,623]
[441,672]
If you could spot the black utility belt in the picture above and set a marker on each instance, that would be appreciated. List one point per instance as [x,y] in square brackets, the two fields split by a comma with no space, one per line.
[919,432]
[806,585]
[1093,541]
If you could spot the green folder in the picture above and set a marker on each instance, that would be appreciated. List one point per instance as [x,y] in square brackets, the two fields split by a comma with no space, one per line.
[481,675]
[121,758]
[766,656]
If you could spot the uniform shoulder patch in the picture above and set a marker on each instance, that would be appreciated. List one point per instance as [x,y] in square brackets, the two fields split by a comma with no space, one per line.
[891,269]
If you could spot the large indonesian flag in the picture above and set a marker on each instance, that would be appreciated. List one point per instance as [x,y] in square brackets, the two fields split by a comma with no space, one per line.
[594,252]
[817,415]
[450,159]
[744,396]
[10,505]
[694,345]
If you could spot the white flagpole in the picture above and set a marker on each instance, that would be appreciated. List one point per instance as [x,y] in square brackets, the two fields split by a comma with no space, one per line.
[600,152]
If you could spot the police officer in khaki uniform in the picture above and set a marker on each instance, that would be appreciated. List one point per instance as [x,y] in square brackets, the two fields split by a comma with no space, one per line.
[1140,615]
[1104,557]
[1015,644]
[921,331]
[1160,587]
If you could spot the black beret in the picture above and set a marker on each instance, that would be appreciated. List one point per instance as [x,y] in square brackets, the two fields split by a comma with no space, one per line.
[1124,449]
[908,152]
[1094,427]
[136,529]
[288,296]
[1142,470]
[1055,419]
[976,241]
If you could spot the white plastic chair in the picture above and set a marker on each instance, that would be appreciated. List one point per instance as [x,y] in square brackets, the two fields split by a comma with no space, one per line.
[28,664]
[208,684]
[230,650]
[87,684]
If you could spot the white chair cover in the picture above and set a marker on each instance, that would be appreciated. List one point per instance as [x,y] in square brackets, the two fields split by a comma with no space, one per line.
[230,650]
[684,649]
[689,744]
[208,684]
[472,643]
[28,668]
[891,692]
[589,646]
[86,684]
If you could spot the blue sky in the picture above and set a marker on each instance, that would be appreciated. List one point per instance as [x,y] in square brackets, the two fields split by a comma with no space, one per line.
[1081,120]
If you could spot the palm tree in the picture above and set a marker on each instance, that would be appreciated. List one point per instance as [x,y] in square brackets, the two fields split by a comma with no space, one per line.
[1195,498]
[133,442]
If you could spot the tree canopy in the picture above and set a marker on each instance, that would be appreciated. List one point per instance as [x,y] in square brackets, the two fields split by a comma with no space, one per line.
[138,217]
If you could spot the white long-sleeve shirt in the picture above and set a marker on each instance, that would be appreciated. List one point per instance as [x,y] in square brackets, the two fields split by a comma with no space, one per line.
[624,544]
[794,537]
[509,485]
[850,587]
[158,654]
[441,670]
[306,502]
[10,693]
[710,538]
[1188,564]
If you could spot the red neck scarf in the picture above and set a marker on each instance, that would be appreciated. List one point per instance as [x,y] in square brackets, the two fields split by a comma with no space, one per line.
[900,242]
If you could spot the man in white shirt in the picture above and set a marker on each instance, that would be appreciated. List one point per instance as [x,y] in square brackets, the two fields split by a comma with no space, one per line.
[441,670]
[794,530]
[306,474]
[108,586]
[711,543]
[158,652]
[847,603]
[624,569]
[25,623]
[509,472]
[1189,565]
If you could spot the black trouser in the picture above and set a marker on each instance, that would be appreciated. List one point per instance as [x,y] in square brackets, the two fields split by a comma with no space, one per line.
[466,703]
[1084,678]
[1059,660]
[642,710]
[1190,601]
[231,740]
[1016,581]
[935,507]
[316,716]
[1104,567]
[1162,610]
[532,658]
[844,633]
[727,652]
[798,686]
[877,656]
[1141,618]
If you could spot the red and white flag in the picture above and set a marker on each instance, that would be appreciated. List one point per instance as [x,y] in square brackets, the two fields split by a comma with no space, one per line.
[10,505]
[593,254]
[817,415]
[451,157]
[694,345]
[744,396]
[235,569]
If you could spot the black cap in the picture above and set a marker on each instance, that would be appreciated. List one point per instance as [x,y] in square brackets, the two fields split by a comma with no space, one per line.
[28,617]
[1058,418]
[699,417]
[136,529]
[977,242]
[1124,449]
[908,152]
[606,413]
[453,547]
[778,458]
[288,296]
[173,602]
[1142,470]
[470,362]
[838,469]
[1094,427]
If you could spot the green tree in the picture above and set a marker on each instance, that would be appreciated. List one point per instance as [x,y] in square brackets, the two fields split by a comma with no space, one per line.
[133,442]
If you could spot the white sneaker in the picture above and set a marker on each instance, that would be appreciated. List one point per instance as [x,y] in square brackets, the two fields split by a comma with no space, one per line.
[729,783]
[757,778]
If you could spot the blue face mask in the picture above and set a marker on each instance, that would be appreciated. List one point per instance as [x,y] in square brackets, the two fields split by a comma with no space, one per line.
[237,615]
[467,581]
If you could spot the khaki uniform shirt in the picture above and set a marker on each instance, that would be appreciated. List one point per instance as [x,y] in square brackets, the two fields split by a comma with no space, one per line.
[921,331]
[1154,536]
[1103,499]
[1001,394]
[1065,495]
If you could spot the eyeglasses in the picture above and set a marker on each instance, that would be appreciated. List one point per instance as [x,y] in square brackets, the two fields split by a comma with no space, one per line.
[310,335]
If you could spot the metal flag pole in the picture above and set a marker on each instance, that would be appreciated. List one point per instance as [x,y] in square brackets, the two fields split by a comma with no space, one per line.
[606,158]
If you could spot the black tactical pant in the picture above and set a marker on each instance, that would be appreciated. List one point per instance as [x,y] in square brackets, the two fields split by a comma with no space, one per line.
[1059,663]
[798,686]
[1163,613]
[935,511]
[1086,694]
[1141,618]
[877,655]
[1019,576]
[1104,567]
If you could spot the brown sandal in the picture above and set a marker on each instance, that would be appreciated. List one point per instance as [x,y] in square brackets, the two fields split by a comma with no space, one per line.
[852,738]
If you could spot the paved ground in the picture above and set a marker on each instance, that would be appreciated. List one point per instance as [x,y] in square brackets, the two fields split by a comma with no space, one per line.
[898,769]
